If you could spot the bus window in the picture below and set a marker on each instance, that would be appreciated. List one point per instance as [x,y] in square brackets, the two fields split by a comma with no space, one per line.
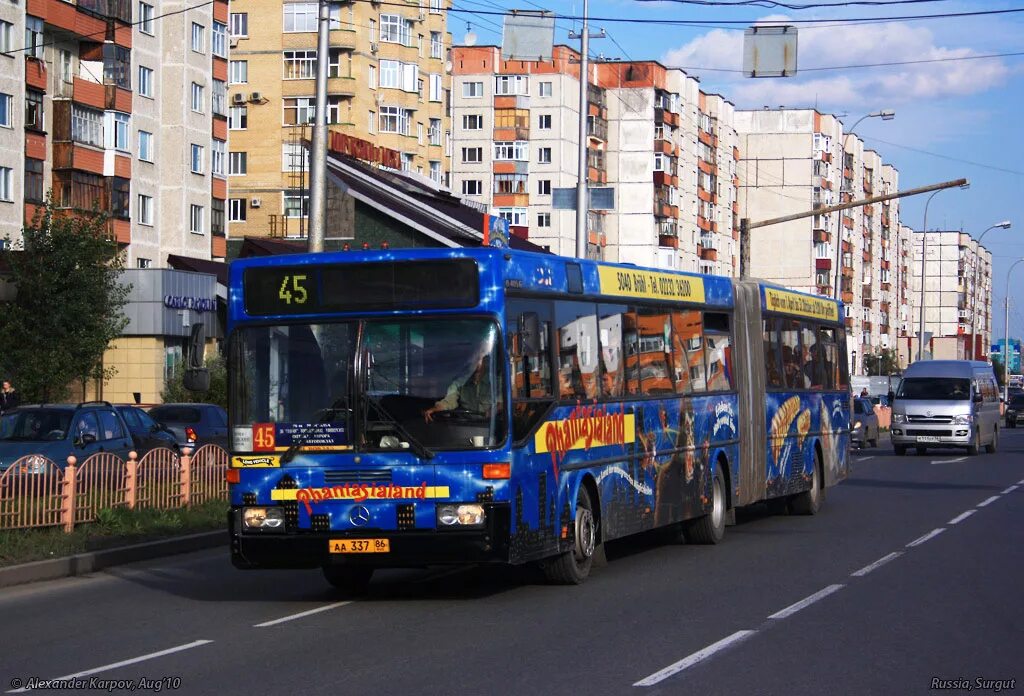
[792,364]
[688,360]
[809,356]
[577,350]
[773,354]
[827,362]
[654,333]
[531,374]
[717,351]
[613,366]
[631,351]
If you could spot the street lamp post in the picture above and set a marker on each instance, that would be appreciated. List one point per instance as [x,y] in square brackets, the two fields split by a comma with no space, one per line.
[920,308]
[1006,336]
[1005,225]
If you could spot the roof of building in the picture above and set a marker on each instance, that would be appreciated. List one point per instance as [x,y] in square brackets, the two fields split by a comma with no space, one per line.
[187,263]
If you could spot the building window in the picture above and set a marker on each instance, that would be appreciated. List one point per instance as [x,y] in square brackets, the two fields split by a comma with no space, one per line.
[33,110]
[117,66]
[294,158]
[543,219]
[472,89]
[372,125]
[371,78]
[146,18]
[238,72]
[145,146]
[236,210]
[217,157]
[334,64]
[220,40]
[517,150]
[545,89]
[239,23]
[436,90]
[33,37]
[218,104]
[81,190]
[472,187]
[145,81]
[143,263]
[515,216]
[434,131]
[6,32]
[296,203]
[395,119]
[144,210]
[472,122]
[118,129]
[544,187]
[472,154]
[33,180]
[238,118]
[544,155]
[86,125]
[238,163]
[197,97]
[544,122]
[300,16]
[436,6]
[299,65]
[5,110]
[120,198]
[436,45]
[509,183]
[395,29]
[299,110]
[407,159]
[198,38]
[511,84]
[217,206]
[195,219]
[6,184]
[197,158]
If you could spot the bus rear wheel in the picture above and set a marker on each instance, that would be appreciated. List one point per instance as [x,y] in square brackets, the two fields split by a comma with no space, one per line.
[350,580]
[710,529]
[572,567]
[809,502]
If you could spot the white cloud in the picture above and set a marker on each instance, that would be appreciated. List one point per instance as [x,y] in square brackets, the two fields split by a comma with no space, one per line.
[846,45]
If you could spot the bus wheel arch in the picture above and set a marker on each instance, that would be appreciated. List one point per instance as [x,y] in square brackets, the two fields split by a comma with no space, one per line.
[810,501]
[572,566]
[710,528]
[722,464]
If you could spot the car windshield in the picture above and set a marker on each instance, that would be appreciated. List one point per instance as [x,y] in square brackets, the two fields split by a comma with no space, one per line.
[862,407]
[177,414]
[935,389]
[287,379]
[1017,401]
[35,425]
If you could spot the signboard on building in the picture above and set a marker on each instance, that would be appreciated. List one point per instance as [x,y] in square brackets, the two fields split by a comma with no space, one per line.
[769,51]
[528,35]
[496,231]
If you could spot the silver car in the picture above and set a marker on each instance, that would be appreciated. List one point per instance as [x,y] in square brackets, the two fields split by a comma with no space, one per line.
[946,403]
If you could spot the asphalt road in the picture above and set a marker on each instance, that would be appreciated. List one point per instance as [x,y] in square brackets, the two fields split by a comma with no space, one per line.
[910,574]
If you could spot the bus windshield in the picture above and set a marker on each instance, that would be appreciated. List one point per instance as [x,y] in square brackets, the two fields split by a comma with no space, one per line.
[418,384]
[935,389]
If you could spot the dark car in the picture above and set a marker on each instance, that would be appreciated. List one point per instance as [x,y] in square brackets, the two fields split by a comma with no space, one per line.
[146,433]
[864,428]
[1014,410]
[194,425]
[57,431]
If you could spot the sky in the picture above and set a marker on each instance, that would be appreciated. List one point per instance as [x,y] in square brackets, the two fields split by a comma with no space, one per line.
[968,111]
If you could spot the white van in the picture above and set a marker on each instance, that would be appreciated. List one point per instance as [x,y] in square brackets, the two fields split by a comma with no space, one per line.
[946,403]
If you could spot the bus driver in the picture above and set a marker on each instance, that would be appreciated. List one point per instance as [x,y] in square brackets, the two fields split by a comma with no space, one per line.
[472,392]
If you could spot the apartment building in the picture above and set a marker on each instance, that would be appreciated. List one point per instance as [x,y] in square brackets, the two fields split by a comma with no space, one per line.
[388,83]
[667,150]
[111,103]
[957,294]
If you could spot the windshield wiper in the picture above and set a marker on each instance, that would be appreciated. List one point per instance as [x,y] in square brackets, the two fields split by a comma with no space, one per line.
[329,412]
[418,447]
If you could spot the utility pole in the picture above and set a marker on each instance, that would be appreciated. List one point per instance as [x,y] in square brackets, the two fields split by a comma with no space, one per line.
[318,156]
[582,202]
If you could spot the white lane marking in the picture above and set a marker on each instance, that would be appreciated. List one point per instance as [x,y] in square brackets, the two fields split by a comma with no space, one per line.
[864,459]
[877,564]
[123,663]
[806,602]
[930,535]
[1021,482]
[947,461]
[702,654]
[962,516]
[988,501]
[1011,489]
[300,615]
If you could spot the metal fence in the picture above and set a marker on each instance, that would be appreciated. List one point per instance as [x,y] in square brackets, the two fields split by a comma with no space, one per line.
[36,492]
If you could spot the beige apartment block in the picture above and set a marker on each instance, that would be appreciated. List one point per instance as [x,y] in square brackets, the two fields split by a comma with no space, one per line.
[12,127]
[388,84]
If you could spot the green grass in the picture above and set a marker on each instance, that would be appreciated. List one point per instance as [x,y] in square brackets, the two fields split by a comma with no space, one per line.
[114,527]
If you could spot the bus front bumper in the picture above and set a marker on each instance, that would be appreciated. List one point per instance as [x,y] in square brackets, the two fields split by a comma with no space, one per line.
[408,548]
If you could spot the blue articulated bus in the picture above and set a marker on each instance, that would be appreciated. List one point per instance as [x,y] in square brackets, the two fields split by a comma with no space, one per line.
[400,408]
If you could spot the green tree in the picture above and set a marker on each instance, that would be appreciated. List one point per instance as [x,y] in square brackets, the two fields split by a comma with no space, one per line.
[884,362]
[175,392]
[68,308]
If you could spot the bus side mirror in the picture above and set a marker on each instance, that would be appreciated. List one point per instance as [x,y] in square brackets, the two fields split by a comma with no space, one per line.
[529,333]
[196,377]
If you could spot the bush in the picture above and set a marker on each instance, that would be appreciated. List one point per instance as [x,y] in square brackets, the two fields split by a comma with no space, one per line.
[175,392]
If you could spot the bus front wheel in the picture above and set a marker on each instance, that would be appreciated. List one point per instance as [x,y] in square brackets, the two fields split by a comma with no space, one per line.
[351,580]
[710,529]
[573,566]
[809,502]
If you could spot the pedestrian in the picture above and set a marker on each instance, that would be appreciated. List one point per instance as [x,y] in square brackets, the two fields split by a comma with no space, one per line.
[9,398]
[864,393]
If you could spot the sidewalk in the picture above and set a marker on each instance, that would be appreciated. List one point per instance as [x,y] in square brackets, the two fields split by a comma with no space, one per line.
[92,561]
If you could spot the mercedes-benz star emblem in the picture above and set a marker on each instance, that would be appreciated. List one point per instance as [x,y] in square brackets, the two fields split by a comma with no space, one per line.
[359,515]
[929,413]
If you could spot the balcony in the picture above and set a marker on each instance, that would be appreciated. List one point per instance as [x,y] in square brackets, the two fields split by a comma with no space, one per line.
[823,264]
[597,96]
[707,254]
[597,128]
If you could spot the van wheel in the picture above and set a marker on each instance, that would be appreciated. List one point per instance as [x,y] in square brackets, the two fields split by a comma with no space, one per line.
[994,445]
[709,529]
[572,567]
[975,445]
[350,580]
[809,502]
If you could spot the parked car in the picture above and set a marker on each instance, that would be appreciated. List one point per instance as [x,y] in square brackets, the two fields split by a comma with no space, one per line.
[56,431]
[1014,410]
[865,423]
[147,434]
[880,400]
[194,425]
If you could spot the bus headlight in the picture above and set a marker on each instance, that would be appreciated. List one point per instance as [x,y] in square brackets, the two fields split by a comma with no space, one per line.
[450,515]
[962,420]
[856,426]
[263,518]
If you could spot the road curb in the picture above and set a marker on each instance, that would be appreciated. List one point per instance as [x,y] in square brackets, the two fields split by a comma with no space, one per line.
[92,561]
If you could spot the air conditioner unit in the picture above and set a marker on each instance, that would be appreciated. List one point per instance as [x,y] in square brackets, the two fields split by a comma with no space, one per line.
[422,15]
[255,202]
[233,42]
[237,98]
[373,47]
[255,97]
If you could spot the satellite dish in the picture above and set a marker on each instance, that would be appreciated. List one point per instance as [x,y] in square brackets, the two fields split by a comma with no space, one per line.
[470,38]
[448,66]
